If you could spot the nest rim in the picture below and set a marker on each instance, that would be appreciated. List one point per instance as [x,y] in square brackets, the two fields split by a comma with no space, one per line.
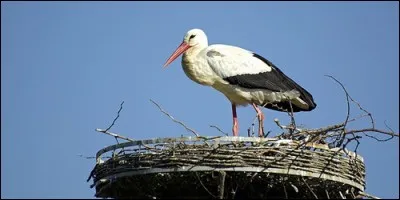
[214,141]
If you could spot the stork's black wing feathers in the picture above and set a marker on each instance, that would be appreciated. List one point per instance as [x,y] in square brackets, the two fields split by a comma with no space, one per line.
[274,80]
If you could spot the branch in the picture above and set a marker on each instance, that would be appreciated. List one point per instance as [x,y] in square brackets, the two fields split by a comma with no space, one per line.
[348,109]
[112,134]
[284,190]
[363,194]
[213,126]
[106,131]
[221,187]
[373,130]
[290,128]
[87,157]
[121,137]
[120,108]
[312,192]
[205,188]
[173,119]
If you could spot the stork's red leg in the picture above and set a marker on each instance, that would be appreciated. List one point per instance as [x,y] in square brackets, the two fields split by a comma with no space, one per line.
[235,128]
[260,117]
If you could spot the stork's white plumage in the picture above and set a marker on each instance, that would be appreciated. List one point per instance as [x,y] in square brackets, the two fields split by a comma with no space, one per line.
[242,76]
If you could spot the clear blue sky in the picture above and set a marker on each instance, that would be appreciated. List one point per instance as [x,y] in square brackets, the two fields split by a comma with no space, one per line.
[66,67]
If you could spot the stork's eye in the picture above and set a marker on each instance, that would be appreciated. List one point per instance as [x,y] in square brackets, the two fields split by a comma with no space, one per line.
[192,36]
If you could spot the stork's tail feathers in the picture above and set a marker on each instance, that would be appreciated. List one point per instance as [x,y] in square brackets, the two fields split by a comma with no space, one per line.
[304,102]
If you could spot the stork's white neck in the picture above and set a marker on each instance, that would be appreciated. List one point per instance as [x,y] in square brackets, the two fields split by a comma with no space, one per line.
[194,50]
[195,66]
[191,55]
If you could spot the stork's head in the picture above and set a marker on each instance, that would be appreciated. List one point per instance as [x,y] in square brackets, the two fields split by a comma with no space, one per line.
[195,38]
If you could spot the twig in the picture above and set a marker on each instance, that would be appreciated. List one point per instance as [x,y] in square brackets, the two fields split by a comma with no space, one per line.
[276,120]
[209,138]
[284,190]
[348,109]
[204,186]
[113,134]
[367,113]
[348,141]
[309,188]
[388,127]
[323,130]
[116,136]
[340,126]
[147,146]
[92,173]
[116,139]
[252,129]
[213,126]
[173,119]
[327,194]
[87,157]
[221,184]
[294,187]
[266,135]
[359,117]
[352,193]
[120,108]
[363,194]
[340,193]
[234,191]
[391,133]
[373,130]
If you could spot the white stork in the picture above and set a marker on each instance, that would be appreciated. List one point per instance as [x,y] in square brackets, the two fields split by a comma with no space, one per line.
[242,76]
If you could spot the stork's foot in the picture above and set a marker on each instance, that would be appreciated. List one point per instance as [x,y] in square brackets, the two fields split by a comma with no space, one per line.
[260,117]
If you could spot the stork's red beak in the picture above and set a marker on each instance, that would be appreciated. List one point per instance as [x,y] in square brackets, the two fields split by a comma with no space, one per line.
[181,49]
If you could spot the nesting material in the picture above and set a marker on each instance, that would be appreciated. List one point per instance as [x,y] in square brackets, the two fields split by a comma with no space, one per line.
[226,167]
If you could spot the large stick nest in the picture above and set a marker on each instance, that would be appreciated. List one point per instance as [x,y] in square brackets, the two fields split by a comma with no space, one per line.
[227,167]
[299,163]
